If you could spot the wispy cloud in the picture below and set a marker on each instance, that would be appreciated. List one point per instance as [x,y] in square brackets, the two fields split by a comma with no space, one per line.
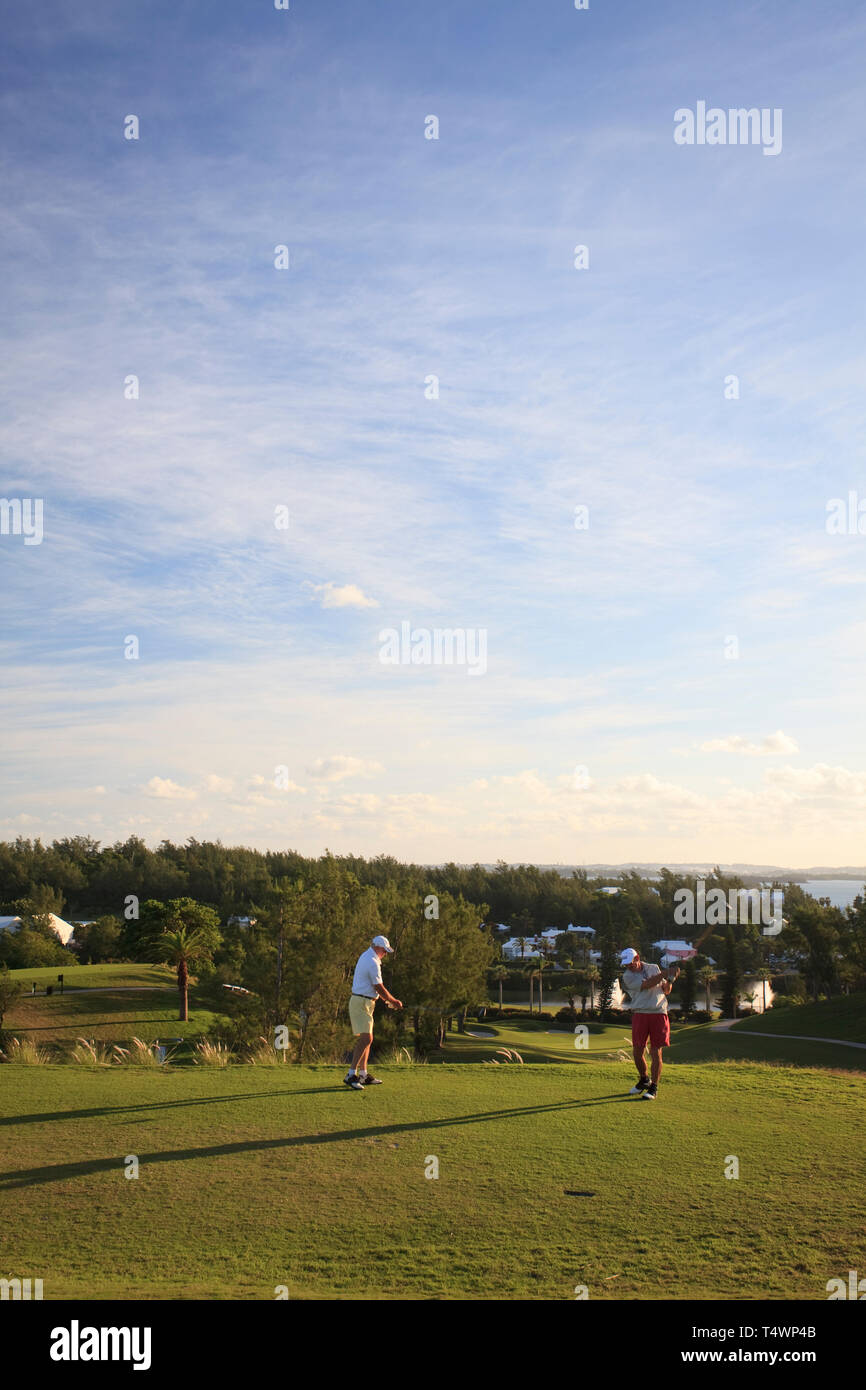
[333,595]
[306,391]
[771,746]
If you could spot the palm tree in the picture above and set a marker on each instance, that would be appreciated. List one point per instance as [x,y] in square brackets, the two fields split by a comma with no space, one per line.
[571,990]
[182,948]
[707,975]
[529,972]
[539,970]
[592,977]
[499,973]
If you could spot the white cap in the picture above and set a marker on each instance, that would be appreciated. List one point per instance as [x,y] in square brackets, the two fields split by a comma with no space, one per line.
[627,956]
[384,943]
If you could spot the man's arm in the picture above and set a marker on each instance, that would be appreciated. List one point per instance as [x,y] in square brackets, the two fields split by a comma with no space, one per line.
[655,980]
[388,997]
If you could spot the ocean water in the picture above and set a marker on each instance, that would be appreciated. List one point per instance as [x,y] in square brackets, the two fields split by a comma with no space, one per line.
[840,891]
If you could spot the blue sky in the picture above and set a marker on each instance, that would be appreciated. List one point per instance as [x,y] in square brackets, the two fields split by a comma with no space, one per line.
[259,648]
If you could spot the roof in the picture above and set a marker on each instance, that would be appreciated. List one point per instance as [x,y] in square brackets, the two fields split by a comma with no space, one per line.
[63,929]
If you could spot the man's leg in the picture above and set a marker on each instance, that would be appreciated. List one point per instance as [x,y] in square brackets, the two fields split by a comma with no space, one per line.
[361,1052]
[639,1059]
[656,1055]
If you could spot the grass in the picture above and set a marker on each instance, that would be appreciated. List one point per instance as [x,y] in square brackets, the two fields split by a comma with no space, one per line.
[97,976]
[132,1001]
[690,1042]
[844,1017]
[255,1178]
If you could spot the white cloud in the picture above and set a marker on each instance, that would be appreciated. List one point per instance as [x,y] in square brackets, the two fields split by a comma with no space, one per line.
[343,596]
[220,784]
[771,746]
[340,766]
[165,788]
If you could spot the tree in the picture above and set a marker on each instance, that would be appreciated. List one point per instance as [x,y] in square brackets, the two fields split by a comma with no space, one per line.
[608,972]
[142,938]
[9,990]
[98,941]
[732,976]
[591,977]
[183,948]
[570,985]
[499,973]
[529,972]
[441,966]
[30,948]
[707,975]
[813,937]
[688,987]
[540,968]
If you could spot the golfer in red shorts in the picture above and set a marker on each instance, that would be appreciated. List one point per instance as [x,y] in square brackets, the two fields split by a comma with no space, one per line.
[648,988]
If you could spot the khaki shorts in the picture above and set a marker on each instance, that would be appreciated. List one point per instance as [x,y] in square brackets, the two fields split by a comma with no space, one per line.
[361,1014]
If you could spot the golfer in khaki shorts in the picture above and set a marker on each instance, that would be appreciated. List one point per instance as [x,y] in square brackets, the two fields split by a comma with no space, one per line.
[366,987]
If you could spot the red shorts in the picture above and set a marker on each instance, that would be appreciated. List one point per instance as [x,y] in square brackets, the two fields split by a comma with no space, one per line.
[656,1027]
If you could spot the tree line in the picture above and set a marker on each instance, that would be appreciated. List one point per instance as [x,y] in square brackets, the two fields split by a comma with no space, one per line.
[288,929]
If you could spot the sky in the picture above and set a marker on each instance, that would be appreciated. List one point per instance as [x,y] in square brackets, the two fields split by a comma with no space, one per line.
[398,427]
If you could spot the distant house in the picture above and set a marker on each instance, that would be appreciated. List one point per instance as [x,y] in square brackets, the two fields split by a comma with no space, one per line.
[61,929]
[610,890]
[675,950]
[511,948]
[242,922]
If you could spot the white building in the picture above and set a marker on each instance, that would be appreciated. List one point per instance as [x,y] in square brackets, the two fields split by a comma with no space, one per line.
[62,929]
[511,948]
[675,950]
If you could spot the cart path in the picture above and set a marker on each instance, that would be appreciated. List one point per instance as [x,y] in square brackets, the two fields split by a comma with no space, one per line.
[794,1037]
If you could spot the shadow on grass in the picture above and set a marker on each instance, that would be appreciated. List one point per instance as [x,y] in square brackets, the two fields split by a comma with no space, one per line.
[60,1172]
[106,1110]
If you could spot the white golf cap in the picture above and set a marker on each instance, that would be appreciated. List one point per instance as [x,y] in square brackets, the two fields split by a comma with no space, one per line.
[627,956]
[384,943]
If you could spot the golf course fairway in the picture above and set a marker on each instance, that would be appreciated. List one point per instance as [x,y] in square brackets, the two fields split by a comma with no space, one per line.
[260,1182]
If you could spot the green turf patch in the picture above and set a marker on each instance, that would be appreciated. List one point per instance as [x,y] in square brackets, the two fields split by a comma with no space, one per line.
[107,1003]
[829,1018]
[255,1178]
[96,976]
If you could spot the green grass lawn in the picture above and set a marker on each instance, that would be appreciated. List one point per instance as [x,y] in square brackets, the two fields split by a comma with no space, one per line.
[691,1042]
[132,1001]
[96,976]
[257,1177]
[844,1017]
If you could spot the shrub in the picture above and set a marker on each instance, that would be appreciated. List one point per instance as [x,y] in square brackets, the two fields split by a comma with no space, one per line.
[140,1054]
[212,1054]
[26,1053]
[95,1054]
[264,1054]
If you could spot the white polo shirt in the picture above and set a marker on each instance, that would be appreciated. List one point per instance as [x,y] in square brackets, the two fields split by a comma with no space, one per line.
[368,974]
[645,1001]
